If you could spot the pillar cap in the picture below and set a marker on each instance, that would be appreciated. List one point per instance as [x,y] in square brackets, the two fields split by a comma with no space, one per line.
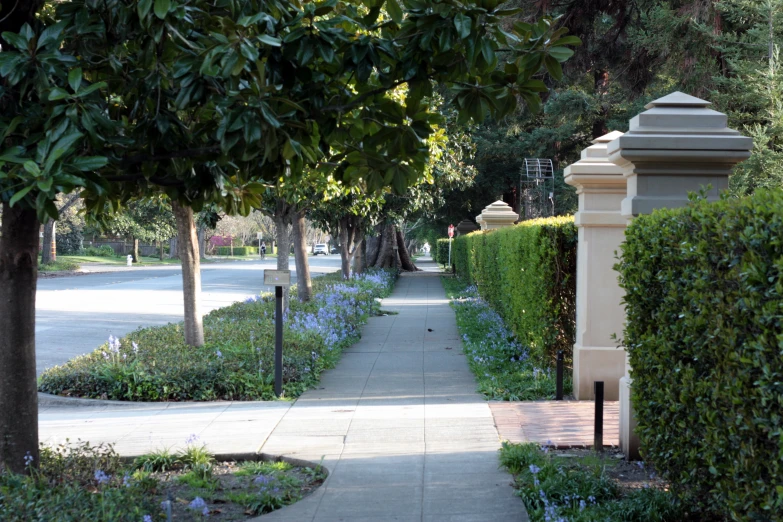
[595,168]
[497,215]
[466,226]
[683,128]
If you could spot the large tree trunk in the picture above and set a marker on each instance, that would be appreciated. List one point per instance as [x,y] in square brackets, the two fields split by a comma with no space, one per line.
[359,257]
[135,251]
[282,219]
[48,253]
[372,247]
[349,230]
[18,386]
[160,247]
[406,263]
[304,284]
[385,257]
[187,244]
[173,248]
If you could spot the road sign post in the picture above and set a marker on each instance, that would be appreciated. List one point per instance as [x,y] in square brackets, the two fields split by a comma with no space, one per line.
[279,279]
[451,235]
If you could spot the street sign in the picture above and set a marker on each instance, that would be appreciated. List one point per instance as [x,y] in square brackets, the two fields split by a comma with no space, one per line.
[259,235]
[277,277]
[451,231]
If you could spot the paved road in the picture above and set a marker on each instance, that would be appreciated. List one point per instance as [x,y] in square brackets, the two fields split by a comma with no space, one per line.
[74,315]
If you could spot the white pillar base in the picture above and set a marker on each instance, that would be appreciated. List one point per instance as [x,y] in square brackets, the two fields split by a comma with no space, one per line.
[629,442]
[598,363]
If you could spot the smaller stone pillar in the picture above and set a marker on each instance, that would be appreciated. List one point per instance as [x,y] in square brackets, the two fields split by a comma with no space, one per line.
[677,146]
[601,188]
[466,226]
[497,215]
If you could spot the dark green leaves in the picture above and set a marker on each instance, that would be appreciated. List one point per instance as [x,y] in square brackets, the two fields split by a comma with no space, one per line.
[462,23]
[162,8]
[394,10]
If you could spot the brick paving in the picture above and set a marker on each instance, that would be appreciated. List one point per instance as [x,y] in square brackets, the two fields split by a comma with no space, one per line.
[568,424]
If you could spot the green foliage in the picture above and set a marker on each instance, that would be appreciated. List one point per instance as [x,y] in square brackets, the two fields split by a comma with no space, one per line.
[159,460]
[704,296]
[65,487]
[101,251]
[237,251]
[440,251]
[502,365]
[60,265]
[527,273]
[579,489]
[236,362]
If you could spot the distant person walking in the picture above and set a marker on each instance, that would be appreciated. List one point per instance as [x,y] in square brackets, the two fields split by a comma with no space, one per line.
[263,250]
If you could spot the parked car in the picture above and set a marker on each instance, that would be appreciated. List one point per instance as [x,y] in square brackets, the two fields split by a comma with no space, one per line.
[335,251]
[320,249]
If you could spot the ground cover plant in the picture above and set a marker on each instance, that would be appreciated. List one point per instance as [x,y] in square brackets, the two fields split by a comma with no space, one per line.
[61,265]
[79,482]
[236,362]
[581,486]
[503,366]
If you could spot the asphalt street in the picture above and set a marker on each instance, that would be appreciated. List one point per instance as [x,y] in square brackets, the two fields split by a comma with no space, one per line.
[75,314]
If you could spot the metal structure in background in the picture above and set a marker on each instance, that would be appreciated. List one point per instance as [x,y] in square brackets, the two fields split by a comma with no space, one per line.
[279,279]
[537,189]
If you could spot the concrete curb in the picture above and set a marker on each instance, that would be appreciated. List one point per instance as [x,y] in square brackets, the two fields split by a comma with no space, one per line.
[47,399]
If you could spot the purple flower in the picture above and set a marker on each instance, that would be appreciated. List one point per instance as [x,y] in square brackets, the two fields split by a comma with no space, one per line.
[534,469]
[147,518]
[192,439]
[101,477]
[198,504]
[28,459]
[219,354]
[263,480]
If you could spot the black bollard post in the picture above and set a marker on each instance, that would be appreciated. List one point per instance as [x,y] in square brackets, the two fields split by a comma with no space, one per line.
[598,443]
[278,341]
[559,376]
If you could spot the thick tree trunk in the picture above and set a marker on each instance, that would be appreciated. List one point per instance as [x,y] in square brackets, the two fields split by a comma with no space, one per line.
[386,250]
[282,220]
[191,273]
[160,247]
[48,243]
[173,248]
[304,284]
[135,252]
[406,263]
[372,247]
[349,230]
[202,242]
[359,257]
[18,386]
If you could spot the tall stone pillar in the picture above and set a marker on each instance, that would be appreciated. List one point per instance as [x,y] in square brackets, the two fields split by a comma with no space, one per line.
[497,215]
[601,188]
[677,146]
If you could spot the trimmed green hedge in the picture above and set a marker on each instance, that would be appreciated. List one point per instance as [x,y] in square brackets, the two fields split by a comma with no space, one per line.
[704,299]
[238,251]
[527,272]
[440,254]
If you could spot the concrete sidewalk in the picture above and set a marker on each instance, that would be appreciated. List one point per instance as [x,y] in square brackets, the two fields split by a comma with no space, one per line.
[397,423]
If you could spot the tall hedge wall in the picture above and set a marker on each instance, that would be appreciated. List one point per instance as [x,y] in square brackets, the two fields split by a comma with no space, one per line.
[440,251]
[238,251]
[704,298]
[528,274]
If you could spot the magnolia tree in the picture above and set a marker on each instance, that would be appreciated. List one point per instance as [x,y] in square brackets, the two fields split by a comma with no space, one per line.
[215,102]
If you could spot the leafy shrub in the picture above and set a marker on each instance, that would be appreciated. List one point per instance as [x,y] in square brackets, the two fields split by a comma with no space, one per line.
[527,272]
[704,297]
[440,252]
[101,251]
[238,251]
[236,362]
[579,489]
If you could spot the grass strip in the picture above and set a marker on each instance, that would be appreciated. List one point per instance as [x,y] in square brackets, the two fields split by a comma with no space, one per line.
[502,365]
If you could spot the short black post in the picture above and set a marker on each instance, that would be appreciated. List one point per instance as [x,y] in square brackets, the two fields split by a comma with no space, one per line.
[278,341]
[598,443]
[559,376]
